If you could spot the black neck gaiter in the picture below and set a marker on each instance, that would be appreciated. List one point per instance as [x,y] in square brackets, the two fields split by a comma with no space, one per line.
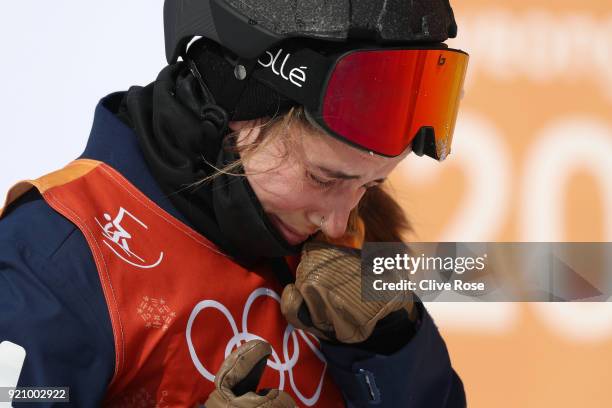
[177,145]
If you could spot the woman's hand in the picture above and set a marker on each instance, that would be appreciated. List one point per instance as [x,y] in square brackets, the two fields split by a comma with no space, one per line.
[238,377]
[326,299]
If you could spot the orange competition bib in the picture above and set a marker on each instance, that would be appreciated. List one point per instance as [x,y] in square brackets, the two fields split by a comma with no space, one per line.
[178,306]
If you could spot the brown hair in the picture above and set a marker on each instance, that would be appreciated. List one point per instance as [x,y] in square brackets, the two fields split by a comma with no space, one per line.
[383,218]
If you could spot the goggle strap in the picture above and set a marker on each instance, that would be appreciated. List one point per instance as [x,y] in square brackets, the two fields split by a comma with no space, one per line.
[299,75]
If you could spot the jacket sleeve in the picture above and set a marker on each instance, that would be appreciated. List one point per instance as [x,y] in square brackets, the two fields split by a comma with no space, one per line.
[51,308]
[417,375]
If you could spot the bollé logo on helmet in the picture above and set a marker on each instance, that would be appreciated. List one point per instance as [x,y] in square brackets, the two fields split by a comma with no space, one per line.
[297,75]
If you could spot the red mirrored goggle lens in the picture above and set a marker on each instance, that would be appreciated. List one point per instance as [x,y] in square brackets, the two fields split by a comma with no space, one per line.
[379,99]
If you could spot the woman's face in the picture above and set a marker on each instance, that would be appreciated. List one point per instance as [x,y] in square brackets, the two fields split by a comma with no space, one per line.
[319,177]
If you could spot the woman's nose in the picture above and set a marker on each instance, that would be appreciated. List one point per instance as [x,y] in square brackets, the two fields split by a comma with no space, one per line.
[334,225]
[337,216]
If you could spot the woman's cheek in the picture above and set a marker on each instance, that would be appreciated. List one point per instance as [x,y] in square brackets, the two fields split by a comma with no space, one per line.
[275,193]
[285,189]
[289,197]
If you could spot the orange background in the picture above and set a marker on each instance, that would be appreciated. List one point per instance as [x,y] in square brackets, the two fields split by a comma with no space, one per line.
[531,161]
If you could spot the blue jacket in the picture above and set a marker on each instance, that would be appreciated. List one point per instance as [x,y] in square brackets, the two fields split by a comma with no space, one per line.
[51,303]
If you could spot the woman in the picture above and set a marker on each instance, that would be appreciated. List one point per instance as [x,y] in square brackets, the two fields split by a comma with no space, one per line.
[172,241]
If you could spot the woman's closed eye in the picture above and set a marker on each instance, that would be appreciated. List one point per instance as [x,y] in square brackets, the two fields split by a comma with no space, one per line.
[320,182]
[327,183]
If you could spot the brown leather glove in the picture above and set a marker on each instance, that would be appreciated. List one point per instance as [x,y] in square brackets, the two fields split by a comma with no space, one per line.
[238,377]
[326,297]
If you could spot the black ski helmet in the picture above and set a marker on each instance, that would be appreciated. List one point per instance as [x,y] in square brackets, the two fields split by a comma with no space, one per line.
[250,27]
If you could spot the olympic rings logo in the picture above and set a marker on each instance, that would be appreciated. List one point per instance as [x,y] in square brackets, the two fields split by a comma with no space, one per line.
[284,366]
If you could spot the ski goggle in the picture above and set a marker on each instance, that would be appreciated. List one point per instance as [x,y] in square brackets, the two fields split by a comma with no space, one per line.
[382,100]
